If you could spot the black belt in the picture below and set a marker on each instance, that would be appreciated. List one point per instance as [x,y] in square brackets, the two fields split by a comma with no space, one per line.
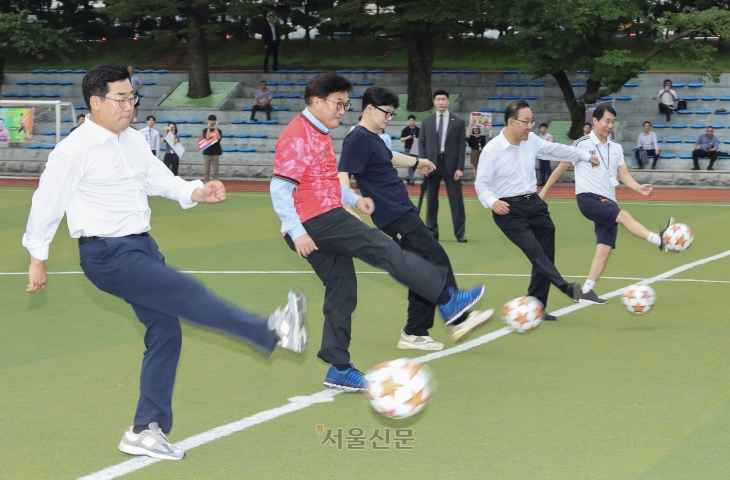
[442,154]
[520,198]
[83,240]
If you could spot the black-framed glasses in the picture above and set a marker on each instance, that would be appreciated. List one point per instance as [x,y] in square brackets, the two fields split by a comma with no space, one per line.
[388,115]
[529,123]
[340,106]
[122,102]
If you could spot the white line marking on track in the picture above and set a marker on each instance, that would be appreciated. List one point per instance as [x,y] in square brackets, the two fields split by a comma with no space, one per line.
[299,403]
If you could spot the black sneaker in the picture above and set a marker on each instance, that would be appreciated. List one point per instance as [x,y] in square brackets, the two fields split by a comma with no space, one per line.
[591,297]
[573,290]
[662,247]
[549,317]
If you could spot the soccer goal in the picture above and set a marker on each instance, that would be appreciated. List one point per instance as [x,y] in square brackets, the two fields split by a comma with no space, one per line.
[30,120]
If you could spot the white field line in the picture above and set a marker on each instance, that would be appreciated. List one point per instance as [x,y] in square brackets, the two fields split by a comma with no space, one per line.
[299,403]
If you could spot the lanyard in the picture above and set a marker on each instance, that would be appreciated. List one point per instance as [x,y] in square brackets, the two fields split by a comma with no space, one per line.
[608,148]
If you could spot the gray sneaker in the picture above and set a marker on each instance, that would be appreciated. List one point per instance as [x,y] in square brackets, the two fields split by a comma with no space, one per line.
[151,442]
[290,324]
[591,297]
[475,320]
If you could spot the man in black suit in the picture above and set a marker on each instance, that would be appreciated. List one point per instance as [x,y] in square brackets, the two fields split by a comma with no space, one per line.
[271,37]
[442,142]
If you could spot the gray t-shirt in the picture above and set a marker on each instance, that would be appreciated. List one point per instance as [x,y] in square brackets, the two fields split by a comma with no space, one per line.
[136,82]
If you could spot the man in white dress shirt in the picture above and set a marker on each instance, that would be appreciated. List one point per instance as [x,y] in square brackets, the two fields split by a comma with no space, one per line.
[506,183]
[100,176]
[151,135]
[596,193]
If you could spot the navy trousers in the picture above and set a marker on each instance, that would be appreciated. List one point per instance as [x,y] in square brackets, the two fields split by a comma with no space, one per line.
[132,268]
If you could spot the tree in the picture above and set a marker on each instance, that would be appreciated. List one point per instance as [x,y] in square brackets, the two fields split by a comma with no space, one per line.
[562,38]
[19,32]
[419,23]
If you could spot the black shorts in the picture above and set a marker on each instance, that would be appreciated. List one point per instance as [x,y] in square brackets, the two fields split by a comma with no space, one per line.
[136,104]
[602,212]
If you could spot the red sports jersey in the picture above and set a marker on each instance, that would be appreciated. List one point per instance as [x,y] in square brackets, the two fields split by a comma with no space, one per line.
[305,157]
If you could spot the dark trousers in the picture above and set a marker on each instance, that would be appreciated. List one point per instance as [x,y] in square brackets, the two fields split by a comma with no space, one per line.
[696,154]
[271,50]
[257,108]
[652,153]
[133,269]
[340,237]
[545,171]
[666,109]
[412,235]
[172,161]
[456,201]
[529,226]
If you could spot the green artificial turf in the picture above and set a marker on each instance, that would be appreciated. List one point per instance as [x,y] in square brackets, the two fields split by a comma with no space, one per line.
[599,394]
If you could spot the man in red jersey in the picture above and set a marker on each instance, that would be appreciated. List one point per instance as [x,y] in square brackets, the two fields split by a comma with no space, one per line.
[309,199]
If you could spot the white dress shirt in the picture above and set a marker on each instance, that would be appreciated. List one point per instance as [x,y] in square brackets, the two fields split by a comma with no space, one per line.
[507,170]
[667,96]
[153,138]
[101,181]
[596,180]
[442,140]
[648,141]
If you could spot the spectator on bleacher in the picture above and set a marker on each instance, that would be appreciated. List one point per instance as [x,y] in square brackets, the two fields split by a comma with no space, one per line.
[648,143]
[137,85]
[667,96]
[171,158]
[4,134]
[587,127]
[359,119]
[151,135]
[263,98]
[80,118]
[407,136]
[706,146]
[386,139]
[212,154]
[476,142]
[545,169]
[272,41]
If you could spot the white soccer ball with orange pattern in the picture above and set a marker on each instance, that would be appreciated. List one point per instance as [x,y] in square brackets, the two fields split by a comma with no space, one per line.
[639,299]
[523,314]
[677,238]
[399,388]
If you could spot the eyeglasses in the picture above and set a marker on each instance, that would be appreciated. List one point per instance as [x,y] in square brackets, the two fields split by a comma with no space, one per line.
[124,101]
[340,105]
[388,115]
[529,123]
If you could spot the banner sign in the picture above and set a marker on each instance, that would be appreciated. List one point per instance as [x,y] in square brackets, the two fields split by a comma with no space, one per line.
[203,143]
[481,120]
[16,125]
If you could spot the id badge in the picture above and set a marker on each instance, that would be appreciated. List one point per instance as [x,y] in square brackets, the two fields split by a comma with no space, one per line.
[614,182]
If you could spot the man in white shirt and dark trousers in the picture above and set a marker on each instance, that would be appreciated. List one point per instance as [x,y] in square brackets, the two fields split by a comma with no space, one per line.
[596,193]
[151,135]
[649,143]
[100,177]
[667,96]
[506,183]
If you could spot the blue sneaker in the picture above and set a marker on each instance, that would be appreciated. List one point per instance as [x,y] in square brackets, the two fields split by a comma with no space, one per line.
[350,380]
[461,301]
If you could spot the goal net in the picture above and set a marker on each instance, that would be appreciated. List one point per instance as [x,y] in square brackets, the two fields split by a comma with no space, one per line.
[35,121]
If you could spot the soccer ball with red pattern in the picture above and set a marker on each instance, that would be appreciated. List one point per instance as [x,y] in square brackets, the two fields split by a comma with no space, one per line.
[639,299]
[677,238]
[399,388]
[523,314]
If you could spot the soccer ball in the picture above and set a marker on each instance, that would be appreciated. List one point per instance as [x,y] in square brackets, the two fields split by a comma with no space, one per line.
[677,238]
[399,388]
[523,314]
[639,299]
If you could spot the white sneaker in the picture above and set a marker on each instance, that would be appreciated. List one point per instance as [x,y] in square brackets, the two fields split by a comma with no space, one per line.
[417,342]
[135,120]
[475,320]
[151,442]
[290,323]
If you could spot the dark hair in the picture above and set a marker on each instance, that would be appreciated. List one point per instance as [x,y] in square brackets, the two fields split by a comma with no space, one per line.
[96,81]
[379,96]
[212,117]
[359,118]
[411,116]
[645,122]
[152,117]
[80,115]
[324,84]
[601,110]
[262,81]
[667,80]
[512,110]
[478,130]
[710,127]
[440,92]
[174,125]
[543,125]
[588,124]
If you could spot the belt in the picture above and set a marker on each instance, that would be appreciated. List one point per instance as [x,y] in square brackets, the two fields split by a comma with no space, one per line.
[520,198]
[83,240]
[442,154]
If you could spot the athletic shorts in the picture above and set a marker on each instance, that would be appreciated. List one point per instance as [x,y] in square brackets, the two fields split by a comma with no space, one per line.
[602,212]
[136,104]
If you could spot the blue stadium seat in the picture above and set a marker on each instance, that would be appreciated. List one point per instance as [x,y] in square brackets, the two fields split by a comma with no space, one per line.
[247,109]
[607,97]
[698,125]
[49,132]
[80,107]
[66,71]
[661,125]
[631,84]
[296,71]
[659,140]
[278,95]
[708,98]
[495,97]
[80,71]
[696,84]
[33,146]
[498,124]
[682,112]
[500,110]
[451,71]
[281,109]
[437,71]
[684,155]
[718,126]
[140,95]
[10,95]
[726,112]
[623,98]
[66,120]
[287,84]
[487,110]
[243,135]
[320,71]
[667,155]
[344,71]
[377,70]
[271,122]
[690,140]
[725,98]
[272,150]
[504,84]
[66,83]
[367,83]
[180,121]
[293,95]
[703,112]
[36,83]
[260,135]
[538,84]
[229,149]
[468,71]
[360,70]
[282,71]
[48,146]
[678,84]
[272,83]
[303,82]
[24,95]
[150,83]
[23,82]
[53,95]
[38,71]
[519,84]
[161,71]
[690,98]
[584,72]
[247,150]
[52,82]
[679,125]
[228,135]
[197,121]
[673,140]
[146,70]
[185,135]
[239,122]
[512,97]
[53,70]
[511,72]
[578,84]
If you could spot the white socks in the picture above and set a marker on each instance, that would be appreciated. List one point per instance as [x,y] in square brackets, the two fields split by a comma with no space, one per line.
[654,238]
[588,286]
